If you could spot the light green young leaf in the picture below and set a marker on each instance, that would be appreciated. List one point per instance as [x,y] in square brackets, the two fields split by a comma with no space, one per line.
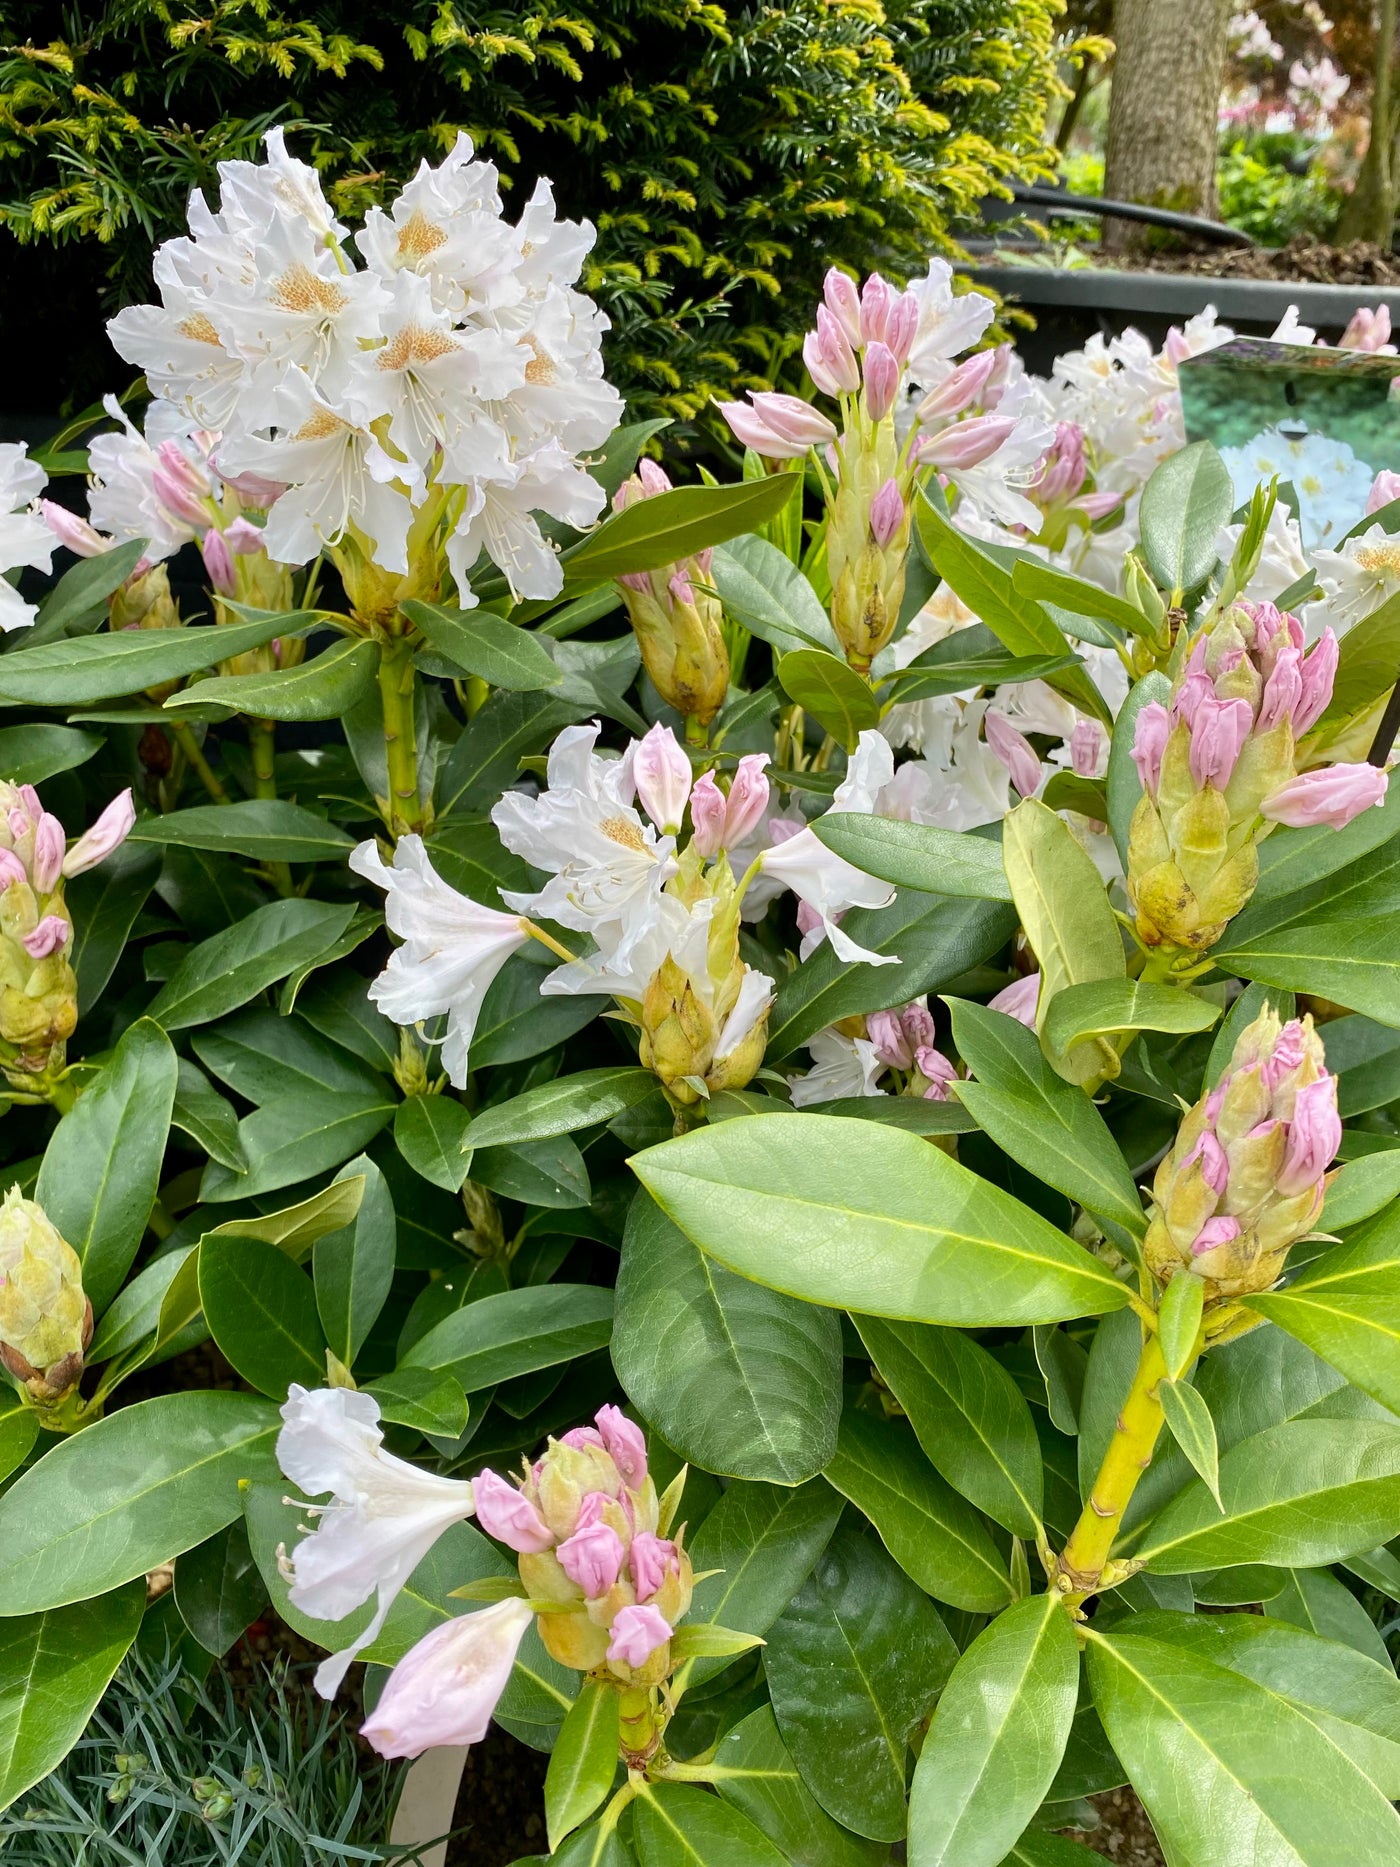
[1192,1428]
[1179,1323]
[1105,1007]
[917,855]
[835,696]
[584,1760]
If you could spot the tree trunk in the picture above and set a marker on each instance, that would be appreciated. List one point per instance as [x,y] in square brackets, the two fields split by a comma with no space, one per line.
[1167,75]
[1369,212]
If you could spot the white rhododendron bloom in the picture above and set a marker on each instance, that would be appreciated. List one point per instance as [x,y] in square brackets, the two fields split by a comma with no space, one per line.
[25,541]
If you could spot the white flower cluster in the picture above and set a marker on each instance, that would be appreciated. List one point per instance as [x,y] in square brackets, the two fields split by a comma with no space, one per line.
[437,396]
[25,541]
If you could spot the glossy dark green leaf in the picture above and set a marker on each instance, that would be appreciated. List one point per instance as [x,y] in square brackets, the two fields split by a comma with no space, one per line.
[996,1739]
[917,855]
[560,1107]
[853,1666]
[968,1414]
[516,1332]
[266,829]
[486,645]
[1315,1600]
[738,1379]
[81,592]
[261,1311]
[296,1136]
[934,1534]
[102,667]
[549,1173]
[1123,783]
[583,1762]
[54,1667]
[1367,662]
[19,1428]
[432,1402]
[207,1118]
[1346,1307]
[1293,859]
[834,694]
[762,588]
[264,1058]
[518,1021]
[1184,504]
[37,750]
[894,1227]
[104,904]
[486,759]
[754,1771]
[428,1132]
[128,1492]
[224,972]
[651,533]
[674,1826]
[1188,1418]
[102,1167]
[1360,1189]
[353,1267]
[324,688]
[218,1589]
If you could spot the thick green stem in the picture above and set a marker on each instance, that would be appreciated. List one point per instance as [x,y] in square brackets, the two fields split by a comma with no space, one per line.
[262,737]
[194,757]
[1129,1454]
[403,811]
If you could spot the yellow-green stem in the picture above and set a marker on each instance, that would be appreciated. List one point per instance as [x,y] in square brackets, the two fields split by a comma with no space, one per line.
[1129,1454]
[262,738]
[194,757]
[396,679]
[639,1725]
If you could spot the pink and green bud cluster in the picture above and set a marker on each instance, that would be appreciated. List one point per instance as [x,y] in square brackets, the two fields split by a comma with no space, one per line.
[593,1544]
[1062,487]
[45,1317]
[38,991]
[677,622]
[1219,768]
[1246,1176]
[904,1040]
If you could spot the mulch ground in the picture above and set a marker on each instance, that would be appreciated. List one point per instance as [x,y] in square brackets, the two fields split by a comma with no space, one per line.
[1125,1834]
[1302,261]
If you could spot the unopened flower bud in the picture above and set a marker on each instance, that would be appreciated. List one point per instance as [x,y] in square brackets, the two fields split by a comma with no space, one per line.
[45,1317]
[49,845]
[882,374]
[1368,330]
[650,1560]
[842,299]
[959,389]
[901,326]
[1333,795]
[108,833]
[504,1513]
[218,561]
[1015,752]
[1385,489]
[877,297]
[444,1690]
[1019,999]
[80,537]
[1086,744]
[637,1633]
[967,443]
[592,1557]
[886,1032]
[937,1070]
[661,772]
[886,514]
[626,1445]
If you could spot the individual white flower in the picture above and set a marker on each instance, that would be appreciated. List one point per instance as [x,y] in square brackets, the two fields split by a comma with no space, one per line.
[1356,578]
[1331,483]
[959,783]
[383,1518]
[452,947]
[254,194]
[826,882]
[129,477]
[607,865]
[446,226]
[499,519]
[443,1691]
[949,323]
[841,1066]
[24,537]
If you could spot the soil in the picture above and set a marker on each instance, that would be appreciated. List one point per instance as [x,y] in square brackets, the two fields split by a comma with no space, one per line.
[1302,261]
[501,1804]
[1125,1834]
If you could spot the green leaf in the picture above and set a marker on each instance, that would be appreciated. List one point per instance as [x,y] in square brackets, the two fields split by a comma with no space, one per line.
[1366,664]
[1293,859]
[935,939]
[1108,1006]
[261,1311]
[651,533]
[934,1535]
[264,1058]
[225,971]
[971,657]
[894,1227]
[518,1021]
[103,667]
[1246,1008]
[218,1589]
[917,855]
[207,1118]
[31,753]
[82,589]
[19,1428]
[54,1667]
[996,1739]
[353,1268]
[968,1414]
[428,1132]
[1068,922]
[1297,1496]
[296,1136]
[674,1826]
[754,1550]
[1123,783]
[1179,1323]
[835,696]
[569,1102]
[1361,1189]
[1265,1784]
[1192,1428]
[133,1490]
[266,829]
[763,589]
[1037,1849]
[486,759]
[296,1229]
[853,1665]
[1314,1599]
[1184,504]
[1077,595]
[1039,1119]
[325,688]
[516,1332]
[549,1173]
[584,1761]
[1346,1307]
[754,1771]
[101,1169]
[434,1403]
[486,645]
[737,1379]
[104,904]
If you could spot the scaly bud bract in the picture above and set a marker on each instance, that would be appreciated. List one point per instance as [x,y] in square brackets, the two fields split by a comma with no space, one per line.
[45,1317]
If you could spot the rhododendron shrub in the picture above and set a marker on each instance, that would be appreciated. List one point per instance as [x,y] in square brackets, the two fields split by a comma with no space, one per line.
[774,1100]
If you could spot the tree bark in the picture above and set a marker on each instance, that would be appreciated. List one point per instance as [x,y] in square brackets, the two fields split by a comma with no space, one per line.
[1167,75]
[1369,212]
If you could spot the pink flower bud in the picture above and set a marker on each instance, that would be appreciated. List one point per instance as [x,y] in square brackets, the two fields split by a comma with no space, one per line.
[886,1032]
[886,514]
[661,772]
[1333,796]
[881,381]
[1314,1135]
[959,389]
[680,586]
[820,371]
[97,843]
[218,561]
[178,499]
[1319,673]
[1268,620]
[1368,329]
[626,1445]
[1286,1055]
[635,580]
[1062,465]
[1149,743]
[939,1071]
[748,799]
[512,1519]
[843,301]
[876,299]
[1015,752]
[1086,747]
[1018,1000]
[1213,1234]
[967,444]
[1282,691]
[592,1558]
[918,1025]
[707,816]
[651,1559]
[1385,488]
[1096,506]
[1177,347]
[753,428]
[51,933]
[901,326]
[653,476]
[1215,1168]
[636,1634]
[245,539]
[11,869]
[792,419]
[72,531]
[49,845]
[837,356]
[444,1690]
[1218,733]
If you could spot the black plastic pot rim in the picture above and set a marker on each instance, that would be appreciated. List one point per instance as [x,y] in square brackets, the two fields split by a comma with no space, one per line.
[1183,294]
